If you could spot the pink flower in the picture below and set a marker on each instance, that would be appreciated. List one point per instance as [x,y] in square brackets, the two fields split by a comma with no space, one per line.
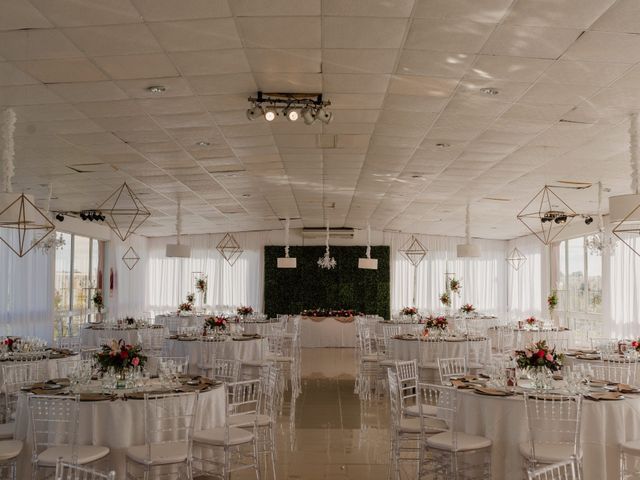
[135,362]
[549,357]
[528,353]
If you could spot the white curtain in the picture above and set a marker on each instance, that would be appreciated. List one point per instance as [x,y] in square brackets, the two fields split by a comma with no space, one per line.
[26,293]
[170,279]
[483,279]
[526,285]
[129,296]
[624,290]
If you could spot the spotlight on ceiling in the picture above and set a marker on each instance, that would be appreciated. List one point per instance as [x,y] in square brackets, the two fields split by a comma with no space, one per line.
[560,219]
[270,114]
[291,105]
[157,89]
[60,217]
[588,220]
[83,215]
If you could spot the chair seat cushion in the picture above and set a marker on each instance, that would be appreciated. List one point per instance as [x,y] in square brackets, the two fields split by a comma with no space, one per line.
[414,410]
[7,430]
[247,419]
[161,454]
[432,425]
[632,447]
[9,449]
[215,436]
[547,452]
[369,358]
[465,442]
[85,454]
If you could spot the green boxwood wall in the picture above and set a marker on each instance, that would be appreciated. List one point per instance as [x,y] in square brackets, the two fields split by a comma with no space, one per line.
[308,286]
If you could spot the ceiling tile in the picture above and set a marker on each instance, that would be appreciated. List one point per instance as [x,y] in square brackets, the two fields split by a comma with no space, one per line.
[360,60]
[62,70]
[137,66]
[622,17]
[211,62]
[549,13]
[483,11]
[88,91]
[287,82]
[583,73]
[21,15]
[554,94]
[605,47]
[138,88]
[27,95]
[355,83]
[436,64]
[205,34]
[220,84]
[284,60]
[447,35]
[161,10]
[114,39]
[427,86]
[283,8]
[277,32]
[10,75]
[360,32]
[414,103]
[64,13]
[516,69]
[536,42]
[367,8]
[35,44]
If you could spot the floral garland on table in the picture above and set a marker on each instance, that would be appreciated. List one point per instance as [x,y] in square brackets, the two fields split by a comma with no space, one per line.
[539,355]
[454,285]
[216,323]
[409,311]
[98,301]
[120,356]
[445,299]
[467,308]
[320,312]
[531,321]
[552,301]
[244,310]
[436,322]
[185,307]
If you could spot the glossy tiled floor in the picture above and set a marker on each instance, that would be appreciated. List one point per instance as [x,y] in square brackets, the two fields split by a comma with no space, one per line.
[332,435]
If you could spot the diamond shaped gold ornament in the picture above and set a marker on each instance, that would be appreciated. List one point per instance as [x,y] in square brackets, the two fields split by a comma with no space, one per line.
[124,212]
[546,215]
[22,224]
[414,251]
[516,259]
[628,230]
[229,248]
[130,258]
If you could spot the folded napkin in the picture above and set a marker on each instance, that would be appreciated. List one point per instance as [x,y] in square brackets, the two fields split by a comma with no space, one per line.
[605,396]
[492,391]
[626,388]
[460,384]
[96,397]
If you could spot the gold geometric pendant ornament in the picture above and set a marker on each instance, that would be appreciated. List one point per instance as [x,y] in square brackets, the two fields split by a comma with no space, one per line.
[130,258]
[628,230]
[546,215]
[124,212]
[22,224]
[414,251]
[516,259]
[229,248]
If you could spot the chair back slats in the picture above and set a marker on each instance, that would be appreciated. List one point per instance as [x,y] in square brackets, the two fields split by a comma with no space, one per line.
[15,376]
[169,418]
[54,421]
[451,367]
[567,470]
[69,471]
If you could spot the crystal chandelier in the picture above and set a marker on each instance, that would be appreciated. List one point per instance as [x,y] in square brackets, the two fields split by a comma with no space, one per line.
[327,261]
[51,244]
[597,243]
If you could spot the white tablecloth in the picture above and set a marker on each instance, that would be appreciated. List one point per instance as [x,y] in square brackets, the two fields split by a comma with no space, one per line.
[244,350]
[117,425]
[409,349]
[91,336]
[50,366]
[260,328]
[527,337]
[327,332]
[173,321]
[604,426]
[405,327]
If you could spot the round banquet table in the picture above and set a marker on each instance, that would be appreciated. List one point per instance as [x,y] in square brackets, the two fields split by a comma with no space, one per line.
[49,365]
[405,327]
[328,332]
[243,350]
[409,349]
[115,424]
[172,322]
[258,328]
[90,336]
[605,424]
[526,337]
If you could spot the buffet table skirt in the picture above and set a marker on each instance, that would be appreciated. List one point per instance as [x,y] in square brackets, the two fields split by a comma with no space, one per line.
[605,424]
[115,424]
[245,350]
[317,332]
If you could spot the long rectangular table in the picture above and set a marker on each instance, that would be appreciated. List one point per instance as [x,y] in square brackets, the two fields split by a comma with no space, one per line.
[318,332]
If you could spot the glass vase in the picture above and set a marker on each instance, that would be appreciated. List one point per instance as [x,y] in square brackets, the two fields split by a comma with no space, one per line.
[541,377]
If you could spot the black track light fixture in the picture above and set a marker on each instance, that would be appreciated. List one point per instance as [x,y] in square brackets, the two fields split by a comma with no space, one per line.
[588,220]
[60,217]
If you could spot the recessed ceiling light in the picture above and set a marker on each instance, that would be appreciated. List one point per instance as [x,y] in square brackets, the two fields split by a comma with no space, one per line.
[157,89]
[203,143]
[490,91]
[442,145]
[416,176]
[246,195]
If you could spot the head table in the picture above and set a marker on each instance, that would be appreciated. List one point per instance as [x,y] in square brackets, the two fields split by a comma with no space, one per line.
[328,332]
[117,424]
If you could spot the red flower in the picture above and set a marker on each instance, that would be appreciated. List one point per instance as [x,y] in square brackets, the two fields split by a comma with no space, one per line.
[124,354]
[634,344]
[541,353]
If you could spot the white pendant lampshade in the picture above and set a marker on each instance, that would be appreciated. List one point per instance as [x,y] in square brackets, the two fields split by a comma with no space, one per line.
[468,250]
[177,250]
[286,261]
[622,205]
[368,263]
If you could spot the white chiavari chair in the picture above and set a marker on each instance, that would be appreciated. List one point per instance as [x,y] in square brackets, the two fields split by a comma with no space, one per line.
[69,367]
[14,377]
[449,368]
[224,369]
[404,431]
[152,340]
[430,349]
[71,471]
[9,452]
[567,470]
[369,370]
[73,344]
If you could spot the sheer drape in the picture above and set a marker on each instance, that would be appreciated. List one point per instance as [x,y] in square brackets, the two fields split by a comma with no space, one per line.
[483,279]
[525,285]
[624,290]
[26,296]
[129,296]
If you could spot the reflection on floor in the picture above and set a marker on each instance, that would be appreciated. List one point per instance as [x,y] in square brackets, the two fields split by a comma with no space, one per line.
[332,437]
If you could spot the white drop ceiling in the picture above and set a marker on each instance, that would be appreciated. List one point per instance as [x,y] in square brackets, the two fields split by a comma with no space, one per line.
[403,76]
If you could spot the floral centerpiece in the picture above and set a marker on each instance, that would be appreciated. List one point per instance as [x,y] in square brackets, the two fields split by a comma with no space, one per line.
[635,344]
[201,288]
[467,308]
[540,361]
[409,311]
[244,311]
[445,299]
[185,307]
[552,301]
[531,321]
[129,321]
[454,285]
[216,323]
[440,323]
[98,301]
[9,342]
[321,312]
[191,297]
[120,356]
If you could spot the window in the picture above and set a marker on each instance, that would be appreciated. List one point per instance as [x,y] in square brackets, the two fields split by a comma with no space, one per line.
[77,271]
[579,279]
